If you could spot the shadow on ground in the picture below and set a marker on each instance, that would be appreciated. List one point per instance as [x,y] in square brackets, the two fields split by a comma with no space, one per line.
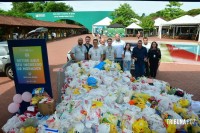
[2,74]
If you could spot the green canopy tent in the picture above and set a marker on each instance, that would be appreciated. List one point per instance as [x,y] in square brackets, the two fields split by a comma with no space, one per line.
[113,29]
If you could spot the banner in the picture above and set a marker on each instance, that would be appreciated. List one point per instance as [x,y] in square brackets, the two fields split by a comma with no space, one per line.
[30,66]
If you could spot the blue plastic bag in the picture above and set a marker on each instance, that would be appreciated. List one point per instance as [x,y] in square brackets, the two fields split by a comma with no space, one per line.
[100,66]
[92,81]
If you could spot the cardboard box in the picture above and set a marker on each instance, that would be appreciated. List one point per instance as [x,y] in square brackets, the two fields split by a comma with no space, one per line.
[46,108]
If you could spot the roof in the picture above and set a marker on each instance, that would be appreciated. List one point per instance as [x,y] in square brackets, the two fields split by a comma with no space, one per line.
[159,21]
[184,20]
[137,20]
[197,17]
[133,26]
[14,21]
[116,25]
[104,22]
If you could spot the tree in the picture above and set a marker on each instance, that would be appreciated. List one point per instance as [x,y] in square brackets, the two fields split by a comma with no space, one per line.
[22,7]
[174,4]
[193,12]
[2,11]
[147,23]
[123,15]
[143,15]
[171,11]
[38,6]
[15,14]
[57,7]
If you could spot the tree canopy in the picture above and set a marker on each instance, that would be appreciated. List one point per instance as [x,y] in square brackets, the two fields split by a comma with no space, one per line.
[123,15]
[57,7]
[193,12]
[147,23]
[20,9]
[171,11]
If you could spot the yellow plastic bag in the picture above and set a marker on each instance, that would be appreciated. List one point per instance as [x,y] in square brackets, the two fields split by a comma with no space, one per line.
[140,126]
[76,91]
[96,104]
[29,129]
[87,87]
[184,103]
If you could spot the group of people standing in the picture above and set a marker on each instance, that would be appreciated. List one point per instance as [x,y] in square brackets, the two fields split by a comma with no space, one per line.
[146,59]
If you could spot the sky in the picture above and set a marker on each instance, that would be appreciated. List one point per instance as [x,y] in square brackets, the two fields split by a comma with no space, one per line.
[139,7]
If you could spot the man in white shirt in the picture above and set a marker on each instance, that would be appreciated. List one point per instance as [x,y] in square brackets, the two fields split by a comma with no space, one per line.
[119,45]
[79,52]
[147,46]
[95,53]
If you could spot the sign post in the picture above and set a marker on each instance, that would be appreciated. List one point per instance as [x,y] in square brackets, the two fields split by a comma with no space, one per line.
[30,66]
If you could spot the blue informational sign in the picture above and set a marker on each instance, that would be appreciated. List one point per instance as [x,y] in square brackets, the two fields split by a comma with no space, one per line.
[30,66]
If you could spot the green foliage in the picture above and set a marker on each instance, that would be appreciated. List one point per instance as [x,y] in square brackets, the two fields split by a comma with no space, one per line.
[147,23]
[171,11]
[193,12]
[22,7]
[57,7]
[174,4]
[143,15]
[27,7]
[38,6]
[123,15]
[2,11]
[15,14]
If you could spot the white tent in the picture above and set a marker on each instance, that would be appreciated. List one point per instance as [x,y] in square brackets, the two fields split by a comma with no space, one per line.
[133,27]
[104,22]
[184,20]
[197,17]
[159,21]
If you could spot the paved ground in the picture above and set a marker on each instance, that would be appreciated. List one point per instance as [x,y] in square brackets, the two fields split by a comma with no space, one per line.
[184,76]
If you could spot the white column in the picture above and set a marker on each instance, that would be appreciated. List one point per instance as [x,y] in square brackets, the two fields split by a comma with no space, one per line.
[197,54]
[173,31]
[92,29]
[160,32]
[199,35]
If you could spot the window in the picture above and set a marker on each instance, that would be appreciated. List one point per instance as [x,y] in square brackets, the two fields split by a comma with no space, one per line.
[3,51]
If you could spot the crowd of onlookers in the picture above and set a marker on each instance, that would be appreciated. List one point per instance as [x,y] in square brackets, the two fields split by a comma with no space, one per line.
[146,57]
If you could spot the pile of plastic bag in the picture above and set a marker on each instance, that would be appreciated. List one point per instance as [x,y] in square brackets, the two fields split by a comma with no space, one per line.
[107,100]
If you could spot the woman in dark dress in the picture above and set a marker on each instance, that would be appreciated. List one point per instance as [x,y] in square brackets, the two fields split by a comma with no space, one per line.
[154,56]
